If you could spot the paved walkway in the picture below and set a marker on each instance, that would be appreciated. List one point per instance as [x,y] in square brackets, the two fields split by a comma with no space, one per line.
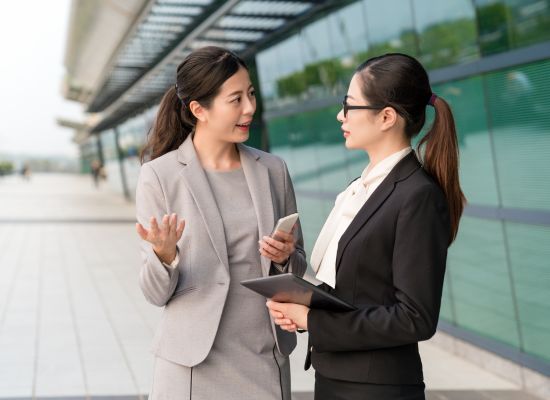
[73,322]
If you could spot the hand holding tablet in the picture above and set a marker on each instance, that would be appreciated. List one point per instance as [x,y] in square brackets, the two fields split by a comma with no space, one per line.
[289,288]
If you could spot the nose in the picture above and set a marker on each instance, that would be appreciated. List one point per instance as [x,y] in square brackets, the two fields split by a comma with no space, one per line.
[249,106]
[340,116]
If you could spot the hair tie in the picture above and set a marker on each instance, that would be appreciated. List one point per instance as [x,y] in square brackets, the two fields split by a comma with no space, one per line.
[431,102]
[178,95]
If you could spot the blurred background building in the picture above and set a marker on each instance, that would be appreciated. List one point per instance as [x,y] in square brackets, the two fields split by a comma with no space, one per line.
[488,58]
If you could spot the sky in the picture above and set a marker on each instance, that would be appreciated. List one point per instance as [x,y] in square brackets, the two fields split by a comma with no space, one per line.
[32,47]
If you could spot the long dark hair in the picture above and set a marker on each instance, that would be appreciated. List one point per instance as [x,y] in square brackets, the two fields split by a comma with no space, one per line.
[199,77]
[400,81]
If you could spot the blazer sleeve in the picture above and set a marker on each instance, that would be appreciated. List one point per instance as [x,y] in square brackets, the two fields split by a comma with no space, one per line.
[296,263]
[157,281]
[418,267]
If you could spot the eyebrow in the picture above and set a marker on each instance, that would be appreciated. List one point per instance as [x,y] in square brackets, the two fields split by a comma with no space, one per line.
[238,91]
[349,96]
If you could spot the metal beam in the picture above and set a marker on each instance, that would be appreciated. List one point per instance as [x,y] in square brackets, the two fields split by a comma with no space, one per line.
[174,53]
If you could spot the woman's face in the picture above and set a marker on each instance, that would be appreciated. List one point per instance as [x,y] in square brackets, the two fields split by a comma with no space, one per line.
[361,128]
[229,116]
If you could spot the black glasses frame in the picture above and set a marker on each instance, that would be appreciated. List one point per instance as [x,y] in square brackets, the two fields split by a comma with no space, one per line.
[346,107]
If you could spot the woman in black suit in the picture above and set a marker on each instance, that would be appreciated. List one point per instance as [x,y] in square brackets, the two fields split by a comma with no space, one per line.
[384,246]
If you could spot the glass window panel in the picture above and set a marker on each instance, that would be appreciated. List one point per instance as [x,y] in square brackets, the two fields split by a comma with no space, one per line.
[108,145]
[447,32]
[390,27]
[508,24]
[446,311]
[529,255]
[316,42]
[267,65]
[477,176]
[291,52]
[348,30]
[306,161]
[518,108]
[494,26]
[312,217]
[480,281]
[530,21]
[330,149]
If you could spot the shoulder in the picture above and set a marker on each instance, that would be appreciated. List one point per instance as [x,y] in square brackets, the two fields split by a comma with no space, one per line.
[420,187]
[160,166]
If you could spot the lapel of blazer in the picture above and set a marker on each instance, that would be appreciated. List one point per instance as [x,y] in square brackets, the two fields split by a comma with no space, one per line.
[197,184]
[402,170]
[257,178]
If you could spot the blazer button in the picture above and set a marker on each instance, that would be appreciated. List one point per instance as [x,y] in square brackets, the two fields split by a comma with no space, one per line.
[311,349]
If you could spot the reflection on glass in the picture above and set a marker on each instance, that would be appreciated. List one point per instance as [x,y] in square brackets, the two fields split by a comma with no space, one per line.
[108,145]
[494,26]
[518,105]
[481,289]
[509,24]
[390,27]
[446,32]
[529,254]
[477,171]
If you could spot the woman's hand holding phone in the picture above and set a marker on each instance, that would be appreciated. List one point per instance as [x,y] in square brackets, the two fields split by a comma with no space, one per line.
[164,237]
[281,244]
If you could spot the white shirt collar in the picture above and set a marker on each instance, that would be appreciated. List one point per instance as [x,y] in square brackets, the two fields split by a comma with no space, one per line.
[384,167]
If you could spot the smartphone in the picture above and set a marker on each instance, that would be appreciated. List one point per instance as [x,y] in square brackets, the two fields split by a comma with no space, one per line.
[285,224]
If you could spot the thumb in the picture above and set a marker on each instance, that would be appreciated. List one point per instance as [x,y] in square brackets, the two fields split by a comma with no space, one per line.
[142,232]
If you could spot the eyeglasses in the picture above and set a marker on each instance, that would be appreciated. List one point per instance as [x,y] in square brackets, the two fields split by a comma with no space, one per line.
[346,107]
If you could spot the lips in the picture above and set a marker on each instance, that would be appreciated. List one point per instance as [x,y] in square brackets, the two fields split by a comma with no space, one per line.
[244,125]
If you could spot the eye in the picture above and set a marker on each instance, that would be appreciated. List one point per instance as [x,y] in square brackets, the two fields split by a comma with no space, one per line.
[252,93]
[236,100]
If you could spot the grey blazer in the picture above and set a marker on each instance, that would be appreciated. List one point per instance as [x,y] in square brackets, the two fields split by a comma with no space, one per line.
[194,294]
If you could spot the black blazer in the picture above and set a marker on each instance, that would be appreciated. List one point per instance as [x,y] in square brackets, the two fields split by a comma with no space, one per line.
[390,263]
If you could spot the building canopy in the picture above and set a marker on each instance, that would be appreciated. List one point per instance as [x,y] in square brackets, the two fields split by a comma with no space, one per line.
[144,65]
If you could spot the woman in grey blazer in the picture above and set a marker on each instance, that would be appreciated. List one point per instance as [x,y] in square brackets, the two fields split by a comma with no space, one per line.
[206,204]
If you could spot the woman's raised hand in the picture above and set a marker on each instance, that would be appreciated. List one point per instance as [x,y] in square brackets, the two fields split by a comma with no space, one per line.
[163,238]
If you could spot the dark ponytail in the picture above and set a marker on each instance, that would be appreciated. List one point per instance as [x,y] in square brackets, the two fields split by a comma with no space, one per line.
[168,131]
[399,81]
[199,77]
[441,159]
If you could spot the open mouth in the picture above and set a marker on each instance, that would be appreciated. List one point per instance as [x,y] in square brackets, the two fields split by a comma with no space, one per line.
[245,125]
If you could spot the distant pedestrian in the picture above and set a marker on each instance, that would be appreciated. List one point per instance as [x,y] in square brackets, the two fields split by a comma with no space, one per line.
[96,171]
[26,172]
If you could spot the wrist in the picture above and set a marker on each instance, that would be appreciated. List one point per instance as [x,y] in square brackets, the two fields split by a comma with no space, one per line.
[165,257]
[283,262]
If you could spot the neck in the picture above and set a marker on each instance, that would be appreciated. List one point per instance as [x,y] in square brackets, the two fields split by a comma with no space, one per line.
[215,154]
[383,150]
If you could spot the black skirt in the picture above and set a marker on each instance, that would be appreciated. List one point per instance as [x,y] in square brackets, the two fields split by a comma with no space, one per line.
[332,389]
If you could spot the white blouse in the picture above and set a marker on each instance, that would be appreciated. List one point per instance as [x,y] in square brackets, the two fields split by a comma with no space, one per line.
[347,205]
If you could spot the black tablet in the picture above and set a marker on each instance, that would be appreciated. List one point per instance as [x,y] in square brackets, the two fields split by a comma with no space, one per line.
[289,288]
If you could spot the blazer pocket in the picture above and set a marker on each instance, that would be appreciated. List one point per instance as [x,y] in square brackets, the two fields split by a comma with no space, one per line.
[183,291]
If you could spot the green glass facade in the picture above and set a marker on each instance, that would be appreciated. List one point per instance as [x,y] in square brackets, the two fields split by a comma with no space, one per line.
[497,286]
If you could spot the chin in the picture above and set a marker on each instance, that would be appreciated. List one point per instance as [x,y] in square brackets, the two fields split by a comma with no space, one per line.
[240,137]
[349,145]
